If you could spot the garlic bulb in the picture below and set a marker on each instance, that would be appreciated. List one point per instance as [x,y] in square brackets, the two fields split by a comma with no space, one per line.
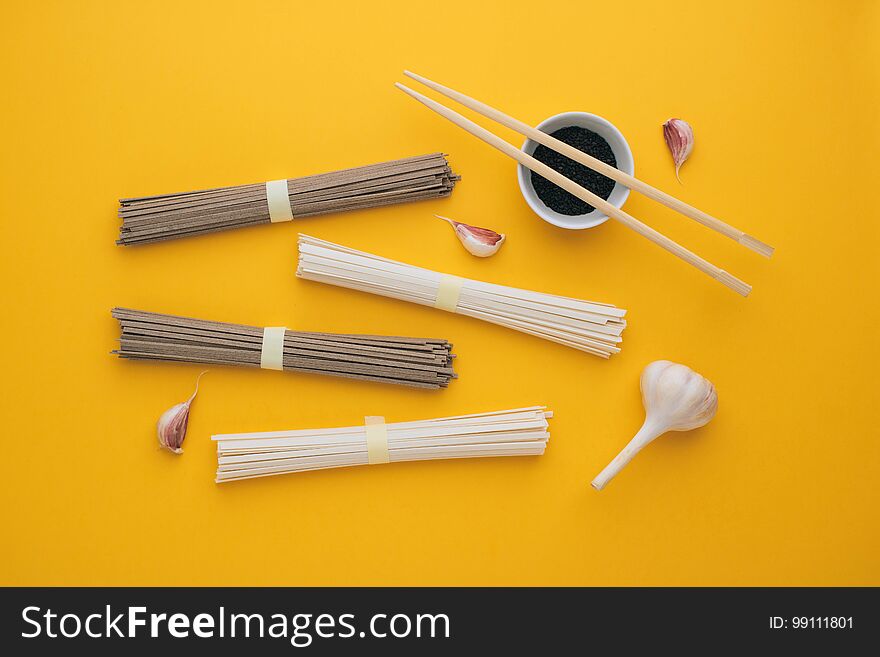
[679,136]
[481,242]
[676,399]
[173,422]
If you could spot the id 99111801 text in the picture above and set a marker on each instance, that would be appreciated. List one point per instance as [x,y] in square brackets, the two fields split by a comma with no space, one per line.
[811,623]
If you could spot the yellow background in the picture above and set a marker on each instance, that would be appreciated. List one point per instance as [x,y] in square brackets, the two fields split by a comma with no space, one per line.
[105,100]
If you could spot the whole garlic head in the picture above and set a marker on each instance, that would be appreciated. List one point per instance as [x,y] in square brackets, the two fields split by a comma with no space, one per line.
[676,399]
[683,399]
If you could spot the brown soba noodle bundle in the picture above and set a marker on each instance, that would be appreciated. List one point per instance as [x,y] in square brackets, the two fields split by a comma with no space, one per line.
[414,362]
[149,219]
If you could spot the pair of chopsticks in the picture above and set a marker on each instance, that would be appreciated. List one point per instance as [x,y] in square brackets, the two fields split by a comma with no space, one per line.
[584,194]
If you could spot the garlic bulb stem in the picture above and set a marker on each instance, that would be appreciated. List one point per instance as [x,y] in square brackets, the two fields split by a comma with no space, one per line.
[646,434]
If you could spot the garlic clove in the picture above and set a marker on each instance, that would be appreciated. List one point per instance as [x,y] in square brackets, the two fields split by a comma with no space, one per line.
[679,138]
[481,242]
[172,424]
[675,399]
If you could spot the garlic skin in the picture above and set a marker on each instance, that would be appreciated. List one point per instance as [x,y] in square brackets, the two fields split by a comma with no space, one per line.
[679,136]
[171,426]
[676,399]
[481,242]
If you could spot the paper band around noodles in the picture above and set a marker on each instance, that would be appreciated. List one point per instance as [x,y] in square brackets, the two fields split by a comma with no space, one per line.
[272,351]
[279,201]
[448,292]
[377,439]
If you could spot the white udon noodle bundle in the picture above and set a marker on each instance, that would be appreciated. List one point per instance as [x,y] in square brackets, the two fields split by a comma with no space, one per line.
[514,432]
[589,326]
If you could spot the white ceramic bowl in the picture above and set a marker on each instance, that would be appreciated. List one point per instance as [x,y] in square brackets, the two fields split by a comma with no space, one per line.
[622,154]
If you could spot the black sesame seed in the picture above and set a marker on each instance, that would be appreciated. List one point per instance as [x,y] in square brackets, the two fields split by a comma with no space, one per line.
[555,197]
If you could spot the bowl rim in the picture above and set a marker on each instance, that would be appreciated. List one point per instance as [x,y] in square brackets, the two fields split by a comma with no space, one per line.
[574,222]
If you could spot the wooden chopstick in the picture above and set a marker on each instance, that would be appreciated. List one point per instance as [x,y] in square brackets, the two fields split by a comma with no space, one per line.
[723,277]
[595,164]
